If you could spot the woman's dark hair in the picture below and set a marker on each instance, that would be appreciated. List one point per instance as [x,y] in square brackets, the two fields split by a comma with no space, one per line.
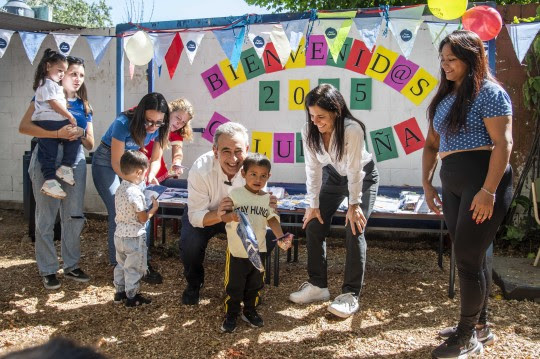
[82,92]
[330,99]
[49,57]
[467,47]
[137,118]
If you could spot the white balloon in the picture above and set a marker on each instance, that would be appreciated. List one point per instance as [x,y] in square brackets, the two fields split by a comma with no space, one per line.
[139,48]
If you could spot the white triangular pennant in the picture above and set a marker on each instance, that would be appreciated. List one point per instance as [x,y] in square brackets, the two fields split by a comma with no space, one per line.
[5,38]
[98,45]
[405,31]
[258,39]
[281,43]
[294,30]
[368,29]
[162,42]
[439,30]
[522,35]
[191,41]
[31,42]
[65,42]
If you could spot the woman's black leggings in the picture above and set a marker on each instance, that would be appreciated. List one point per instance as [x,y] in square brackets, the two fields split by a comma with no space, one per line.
[462,176]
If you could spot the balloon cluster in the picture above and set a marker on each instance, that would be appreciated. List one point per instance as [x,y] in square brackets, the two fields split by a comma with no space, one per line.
[484,20]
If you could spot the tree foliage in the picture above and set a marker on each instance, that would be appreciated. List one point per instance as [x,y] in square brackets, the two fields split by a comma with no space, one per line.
[304,5]
[78,12]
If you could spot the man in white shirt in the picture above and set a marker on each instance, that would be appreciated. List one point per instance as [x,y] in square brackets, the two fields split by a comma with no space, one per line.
[210,179]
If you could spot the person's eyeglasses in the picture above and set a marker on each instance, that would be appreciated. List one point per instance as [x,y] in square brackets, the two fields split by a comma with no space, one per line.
[75,60]
[151,123]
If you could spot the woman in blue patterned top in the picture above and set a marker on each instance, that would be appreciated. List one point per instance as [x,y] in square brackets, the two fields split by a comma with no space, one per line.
[470,129]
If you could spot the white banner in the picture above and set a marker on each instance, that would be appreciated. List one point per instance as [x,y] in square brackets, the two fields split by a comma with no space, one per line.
[368,29]
[192,41]
[281,43]
[31,42]
[98,45]
[5,38]
[522,35]
[65,42]
[258,39]
[405,31]
[294,30]
[162,42]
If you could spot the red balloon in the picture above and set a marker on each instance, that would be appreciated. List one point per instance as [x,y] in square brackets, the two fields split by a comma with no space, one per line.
[484,20]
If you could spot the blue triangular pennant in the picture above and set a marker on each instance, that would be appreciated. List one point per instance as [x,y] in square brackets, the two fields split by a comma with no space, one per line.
[231,41]
[31,42]
[98,45]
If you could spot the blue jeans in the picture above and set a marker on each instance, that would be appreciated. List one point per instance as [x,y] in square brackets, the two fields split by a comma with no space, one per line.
[131,267]
[71,216]
[107,182]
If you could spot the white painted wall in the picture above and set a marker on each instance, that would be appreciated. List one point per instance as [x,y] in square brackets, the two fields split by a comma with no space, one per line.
[239,104]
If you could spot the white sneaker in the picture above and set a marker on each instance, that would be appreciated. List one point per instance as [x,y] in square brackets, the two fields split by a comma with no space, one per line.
[344,305]
[65,173]
[52,188]
[308,293]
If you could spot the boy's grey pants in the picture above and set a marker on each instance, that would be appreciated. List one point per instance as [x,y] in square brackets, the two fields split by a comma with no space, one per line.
[131,263]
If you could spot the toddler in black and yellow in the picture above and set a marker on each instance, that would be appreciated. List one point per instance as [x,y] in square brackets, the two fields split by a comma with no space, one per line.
[242,280]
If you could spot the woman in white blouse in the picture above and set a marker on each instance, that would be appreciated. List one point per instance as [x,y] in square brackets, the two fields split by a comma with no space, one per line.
[337,166]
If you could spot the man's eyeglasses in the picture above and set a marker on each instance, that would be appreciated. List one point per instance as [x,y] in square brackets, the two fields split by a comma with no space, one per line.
[75,60]
[151,123]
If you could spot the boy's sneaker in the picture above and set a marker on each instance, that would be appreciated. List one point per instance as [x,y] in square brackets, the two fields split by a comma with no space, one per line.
[77,275]
[344,305]
[65,173]
[137,300]
[152,276]
[459,345]
[308,293]
[253,318]
[229,324]
[484,335]
[50,282]
[52,188]
[120,297]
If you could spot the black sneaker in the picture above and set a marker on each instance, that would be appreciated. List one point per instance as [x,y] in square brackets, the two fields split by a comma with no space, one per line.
[253,318]
[120,297]
[484,334]
[50,282]
[77,275]
[152,276]
[229,324]
[137,300]
[191,295]
[459,345]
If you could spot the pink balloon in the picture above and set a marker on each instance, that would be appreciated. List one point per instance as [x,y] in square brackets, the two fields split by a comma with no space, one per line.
[484,20]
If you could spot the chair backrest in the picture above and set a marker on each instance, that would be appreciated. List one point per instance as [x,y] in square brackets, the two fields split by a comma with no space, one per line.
[535,189]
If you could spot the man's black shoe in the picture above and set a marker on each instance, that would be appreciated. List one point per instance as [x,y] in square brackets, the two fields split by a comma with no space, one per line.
[152,276]
[191,295]
[252,318]
[229,324]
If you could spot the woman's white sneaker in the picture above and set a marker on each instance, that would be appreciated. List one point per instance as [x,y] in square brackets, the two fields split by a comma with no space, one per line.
[65,173]
[308,293]
[52,188]
[344,305]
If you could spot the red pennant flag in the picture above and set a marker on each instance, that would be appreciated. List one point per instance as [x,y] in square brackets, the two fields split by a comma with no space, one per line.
[172,57]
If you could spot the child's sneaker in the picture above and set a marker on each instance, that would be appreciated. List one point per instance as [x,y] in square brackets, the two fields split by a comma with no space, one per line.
[120,297]
[137,300]
[65,173]
[253,318]
[229,324]
[52,188]
[50,282]
[484,335]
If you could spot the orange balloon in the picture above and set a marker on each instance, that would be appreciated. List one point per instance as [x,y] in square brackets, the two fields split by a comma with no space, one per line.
[484,20]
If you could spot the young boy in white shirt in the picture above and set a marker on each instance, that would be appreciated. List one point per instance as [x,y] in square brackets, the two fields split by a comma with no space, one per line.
[130,235]
[243,281]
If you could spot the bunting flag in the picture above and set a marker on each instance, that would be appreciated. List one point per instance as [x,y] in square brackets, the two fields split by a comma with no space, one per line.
[192,41]
[294,30]
[439,30]
[5,38]
[522,35]
[368,29]
[259,40]
[281,43]
[335,32]
[31,42]
[408,12]
[172,57]
[65,42]
[98,45]
[404,31]
[231,41]
[162,42]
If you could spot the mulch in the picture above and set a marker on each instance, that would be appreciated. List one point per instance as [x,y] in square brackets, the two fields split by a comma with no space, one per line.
[403,305]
